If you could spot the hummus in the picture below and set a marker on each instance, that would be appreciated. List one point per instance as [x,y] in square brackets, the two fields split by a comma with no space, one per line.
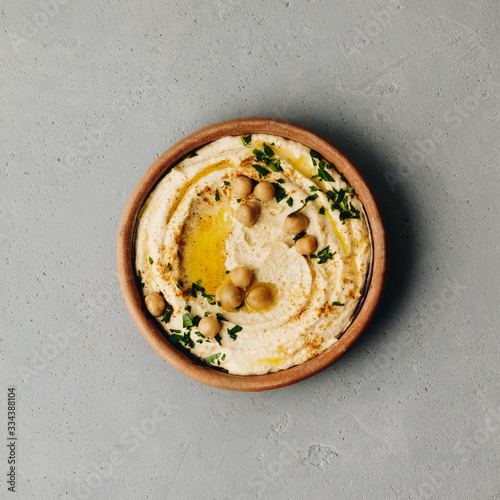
[188,239]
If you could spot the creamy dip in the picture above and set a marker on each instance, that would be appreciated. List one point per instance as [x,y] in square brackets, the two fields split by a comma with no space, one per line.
[188,239]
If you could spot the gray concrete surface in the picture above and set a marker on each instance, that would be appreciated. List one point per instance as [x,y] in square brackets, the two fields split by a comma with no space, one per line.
[93,91]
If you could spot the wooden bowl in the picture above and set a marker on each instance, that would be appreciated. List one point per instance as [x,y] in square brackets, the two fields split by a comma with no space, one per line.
[156,336]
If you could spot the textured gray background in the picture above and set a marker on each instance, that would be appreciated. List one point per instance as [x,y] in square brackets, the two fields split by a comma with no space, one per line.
[93,91]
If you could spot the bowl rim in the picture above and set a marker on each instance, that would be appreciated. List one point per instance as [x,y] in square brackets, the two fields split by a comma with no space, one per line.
[126,267]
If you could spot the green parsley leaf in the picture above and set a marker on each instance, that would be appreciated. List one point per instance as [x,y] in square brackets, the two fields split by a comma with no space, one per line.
[217,196]
[223,357]
[315,156]
[304,203]
[168,313]
[289,202]
[218,338]
[268,151]
[233,331]
[139,275]
[262,171]
[337,304]
[322,210]
[180,284]
[323,175]
[176,338]
[151,261]
[281,181]
[196,321]
[220,317]
[314,188]
[298,236]
[168,268]
[187,322]
[226,183]
[323,255]
[206,314]
[246,139]
[212,358]
[193,154]
[279,192]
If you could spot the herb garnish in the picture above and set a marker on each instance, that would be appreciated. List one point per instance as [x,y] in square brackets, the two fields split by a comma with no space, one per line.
[193,154]
[220,317]
[212,358]
[315,156]
[246,139]
[337,304]
[262,171]
[139,275]
[322,210]
[298,236]
[187,322]
[226,183]
[279,192]
[217,196]
[180,284]
[185,339]
[281,181]
[168,313]
[323,175]
[233,331]
[289,202]
[168,268]
[340,201]
[268,151]
[151,261]
[323,255]
[304,203]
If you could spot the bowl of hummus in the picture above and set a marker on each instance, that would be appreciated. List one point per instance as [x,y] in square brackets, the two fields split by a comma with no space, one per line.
[251,254]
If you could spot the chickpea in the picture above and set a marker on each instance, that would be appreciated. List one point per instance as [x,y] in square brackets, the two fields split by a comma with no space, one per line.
[242,186]
[241,276]
[247,213]
[306,245]
[259,297]
[209,326]
[295,224]
[155,304]
[232,296]
[264,191]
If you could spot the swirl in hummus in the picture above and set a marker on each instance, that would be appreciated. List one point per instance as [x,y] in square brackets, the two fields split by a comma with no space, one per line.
[188,240]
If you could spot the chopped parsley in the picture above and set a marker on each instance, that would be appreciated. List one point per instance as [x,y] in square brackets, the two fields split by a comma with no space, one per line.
[304,203]
[246,139]
[193,154]
[220,317]
[322,210]
[168,268]
[223,357]
[323,175]
[206,314]
[233,331]
[262,171]
[323,255]
[187,322]
[279,192]
[268,151]
[337,304]
[217,196]
[226,183]
[180,284]
[168,313]
[340,201]
[139,276]
[212,358]
[289,202]
[315,156]
[151,261]
[185,339]
[314,188]
[298,236]
[281,181]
